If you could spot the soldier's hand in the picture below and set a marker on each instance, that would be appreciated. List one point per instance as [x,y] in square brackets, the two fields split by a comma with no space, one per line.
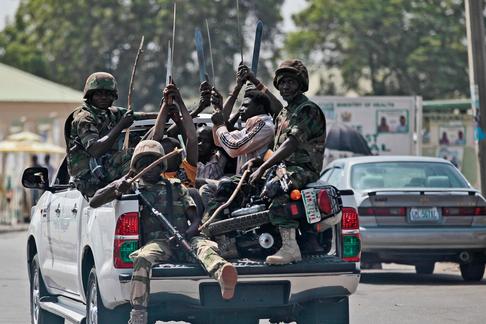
[191,232]
[127,119]
[242,75]
[174,113]
[217,118]
[205,94]
[122,186]
[216,99]
[171,91]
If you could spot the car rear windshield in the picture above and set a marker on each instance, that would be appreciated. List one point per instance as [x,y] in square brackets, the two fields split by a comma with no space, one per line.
[405,175]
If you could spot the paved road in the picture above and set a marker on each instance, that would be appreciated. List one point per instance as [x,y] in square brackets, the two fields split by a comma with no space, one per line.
[394,295]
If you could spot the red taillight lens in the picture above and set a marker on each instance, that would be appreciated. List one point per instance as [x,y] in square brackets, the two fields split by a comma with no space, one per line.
[324,202]
[126,240]
[127,224]
[383,211]
[464,211]
[350,220]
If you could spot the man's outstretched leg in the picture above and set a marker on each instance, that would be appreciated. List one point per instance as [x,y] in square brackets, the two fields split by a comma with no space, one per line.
[223,271]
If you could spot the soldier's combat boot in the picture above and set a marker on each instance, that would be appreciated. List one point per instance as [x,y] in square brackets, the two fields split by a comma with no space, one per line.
[227,278]
[289,252]
[138,316]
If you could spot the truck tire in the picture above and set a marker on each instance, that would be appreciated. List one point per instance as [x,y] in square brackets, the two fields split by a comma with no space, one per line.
[239,223]
[334,311]
[472,271]
[95,310]
[425,268]
[37,291]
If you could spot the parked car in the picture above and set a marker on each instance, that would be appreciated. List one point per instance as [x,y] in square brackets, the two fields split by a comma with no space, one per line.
[79,267]
[415,210]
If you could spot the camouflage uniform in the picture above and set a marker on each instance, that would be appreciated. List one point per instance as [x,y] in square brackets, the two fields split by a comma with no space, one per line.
[305,121]
[158,249]
[88,126]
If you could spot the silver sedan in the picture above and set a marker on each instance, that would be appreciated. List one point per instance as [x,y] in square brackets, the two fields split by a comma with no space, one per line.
[415,210]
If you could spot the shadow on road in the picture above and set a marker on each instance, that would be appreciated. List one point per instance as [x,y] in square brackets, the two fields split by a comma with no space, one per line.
[399,278]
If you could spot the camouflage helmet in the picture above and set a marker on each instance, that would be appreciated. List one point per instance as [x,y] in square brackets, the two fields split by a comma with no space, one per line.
[100,81]
[292,68]
[148,147]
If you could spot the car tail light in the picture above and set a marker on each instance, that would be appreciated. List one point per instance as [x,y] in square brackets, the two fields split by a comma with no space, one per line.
[126,239]
[324,202]
[464,211]
[383,211]
[351,236]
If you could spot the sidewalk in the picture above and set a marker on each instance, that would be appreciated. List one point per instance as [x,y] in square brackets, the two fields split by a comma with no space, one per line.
[13,228]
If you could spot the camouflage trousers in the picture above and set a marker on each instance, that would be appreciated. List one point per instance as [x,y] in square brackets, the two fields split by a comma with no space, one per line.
[158,251]
[279,215]
[113,167]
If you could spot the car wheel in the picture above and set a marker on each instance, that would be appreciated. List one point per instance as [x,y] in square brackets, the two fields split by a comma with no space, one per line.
[425,268]
[37,291]
[472,271]
[96,312]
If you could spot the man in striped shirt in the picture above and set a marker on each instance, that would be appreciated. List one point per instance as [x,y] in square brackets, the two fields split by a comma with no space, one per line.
[253,140]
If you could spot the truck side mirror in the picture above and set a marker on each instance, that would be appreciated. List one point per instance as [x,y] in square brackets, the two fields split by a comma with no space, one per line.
[35,178]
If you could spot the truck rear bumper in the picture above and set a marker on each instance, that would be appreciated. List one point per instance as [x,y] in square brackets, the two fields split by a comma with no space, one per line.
[258,285]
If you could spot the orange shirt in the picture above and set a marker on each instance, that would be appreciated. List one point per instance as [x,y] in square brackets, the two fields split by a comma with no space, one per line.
[190,174]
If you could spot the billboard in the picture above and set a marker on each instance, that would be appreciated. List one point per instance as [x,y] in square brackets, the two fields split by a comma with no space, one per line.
[387,123]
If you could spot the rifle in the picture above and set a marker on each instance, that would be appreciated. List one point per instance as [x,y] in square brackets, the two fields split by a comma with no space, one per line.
[172,230]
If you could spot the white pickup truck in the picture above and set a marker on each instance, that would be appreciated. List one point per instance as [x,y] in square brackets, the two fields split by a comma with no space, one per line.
[79,268]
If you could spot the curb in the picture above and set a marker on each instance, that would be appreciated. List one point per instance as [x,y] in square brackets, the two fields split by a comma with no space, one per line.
[13,228]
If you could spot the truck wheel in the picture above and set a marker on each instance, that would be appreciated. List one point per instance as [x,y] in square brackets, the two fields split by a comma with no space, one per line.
[472,271]
[425,268]
[96,313]
[239,223]
[325,311]
[37,291]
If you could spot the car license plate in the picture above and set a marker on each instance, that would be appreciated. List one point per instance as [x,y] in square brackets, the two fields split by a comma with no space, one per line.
[424,214]
[312,212]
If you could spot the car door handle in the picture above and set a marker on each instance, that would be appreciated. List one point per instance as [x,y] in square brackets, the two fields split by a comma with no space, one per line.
[43,212]
[75,209]
[58,209]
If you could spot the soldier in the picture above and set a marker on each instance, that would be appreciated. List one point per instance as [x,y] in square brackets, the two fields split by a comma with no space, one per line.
[93,138]
[299,141]
[171,198]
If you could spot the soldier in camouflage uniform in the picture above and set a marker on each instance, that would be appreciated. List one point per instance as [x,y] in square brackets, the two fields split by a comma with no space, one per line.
[172,199]
[300,137]
[92,132]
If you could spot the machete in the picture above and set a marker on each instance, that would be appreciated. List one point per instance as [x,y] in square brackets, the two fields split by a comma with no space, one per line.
[256,47]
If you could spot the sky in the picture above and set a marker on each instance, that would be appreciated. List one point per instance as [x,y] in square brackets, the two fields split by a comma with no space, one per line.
[8,8]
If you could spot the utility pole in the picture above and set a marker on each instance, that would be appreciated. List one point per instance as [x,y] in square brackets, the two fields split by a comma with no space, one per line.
[477,78]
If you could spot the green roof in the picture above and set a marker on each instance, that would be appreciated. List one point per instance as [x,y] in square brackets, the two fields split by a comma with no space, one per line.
[461,104]
[19,86]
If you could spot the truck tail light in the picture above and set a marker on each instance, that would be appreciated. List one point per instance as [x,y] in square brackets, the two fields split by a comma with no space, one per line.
[126,239]
[351,236]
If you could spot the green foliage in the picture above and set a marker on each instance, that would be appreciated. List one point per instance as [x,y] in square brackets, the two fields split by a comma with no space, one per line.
[401,47]
[65,41]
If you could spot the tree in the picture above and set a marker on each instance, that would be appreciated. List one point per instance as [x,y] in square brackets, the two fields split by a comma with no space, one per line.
[400,47]
[65,41]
